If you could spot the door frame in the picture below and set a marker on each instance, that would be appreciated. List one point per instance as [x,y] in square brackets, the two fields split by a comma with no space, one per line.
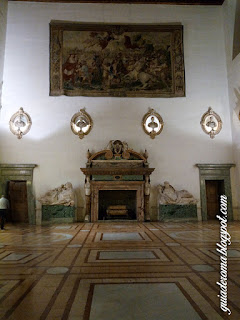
[20,172]
[217,185]
[215,172]
[25,220]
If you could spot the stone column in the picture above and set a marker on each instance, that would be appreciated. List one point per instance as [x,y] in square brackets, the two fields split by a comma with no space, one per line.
[88,199]
[38,213]
[147,188]
[3,27]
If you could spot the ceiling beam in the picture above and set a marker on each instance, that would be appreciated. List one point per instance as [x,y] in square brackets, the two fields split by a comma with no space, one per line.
[173,2]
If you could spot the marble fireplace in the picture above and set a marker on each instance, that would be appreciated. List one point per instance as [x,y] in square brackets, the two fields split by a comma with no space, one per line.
[115,204]
[117,180]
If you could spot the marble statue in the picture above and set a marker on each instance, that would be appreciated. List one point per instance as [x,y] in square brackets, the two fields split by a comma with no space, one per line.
[62,195]
[110,146]
[147,187]
[168,195]
[87,186]
[153,125]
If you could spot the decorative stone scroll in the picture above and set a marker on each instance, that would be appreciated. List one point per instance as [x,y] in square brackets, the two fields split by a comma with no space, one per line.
[116,150]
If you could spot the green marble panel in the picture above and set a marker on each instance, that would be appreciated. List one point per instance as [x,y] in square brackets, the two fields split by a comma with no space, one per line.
[56,212]
[132,177]
[96,177]
[173,211]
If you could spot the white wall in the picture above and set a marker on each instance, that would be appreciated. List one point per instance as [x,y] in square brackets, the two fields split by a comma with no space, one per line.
[50,143]
[3,26]
[233,67]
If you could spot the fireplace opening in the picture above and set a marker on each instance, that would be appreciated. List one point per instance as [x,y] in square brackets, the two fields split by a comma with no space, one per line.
[117,204]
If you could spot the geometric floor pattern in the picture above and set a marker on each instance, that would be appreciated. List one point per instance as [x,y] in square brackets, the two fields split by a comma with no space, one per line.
[116,271]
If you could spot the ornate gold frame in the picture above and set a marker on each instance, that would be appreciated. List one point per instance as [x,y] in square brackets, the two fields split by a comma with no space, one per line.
[13,120]
[212,116]
[86,121]
[152,113]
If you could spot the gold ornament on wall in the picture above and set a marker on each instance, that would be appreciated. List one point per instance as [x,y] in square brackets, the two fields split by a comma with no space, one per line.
[81,123]
[211,123]
[20,123]
[152,123]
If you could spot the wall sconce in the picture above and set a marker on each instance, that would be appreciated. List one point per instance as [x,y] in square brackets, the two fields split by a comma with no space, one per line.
[211,123]
[81,123]
[152,123]
[20,123]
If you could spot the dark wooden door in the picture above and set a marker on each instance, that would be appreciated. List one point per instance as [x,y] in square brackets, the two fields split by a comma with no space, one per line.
[18,201]
[213,192]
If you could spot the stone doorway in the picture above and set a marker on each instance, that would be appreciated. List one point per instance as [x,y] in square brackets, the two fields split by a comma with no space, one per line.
[215,172]
[21,173]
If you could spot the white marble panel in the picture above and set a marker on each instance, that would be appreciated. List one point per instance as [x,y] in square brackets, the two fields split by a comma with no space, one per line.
[15,257]
[122,255]
[125,236]
[163,301]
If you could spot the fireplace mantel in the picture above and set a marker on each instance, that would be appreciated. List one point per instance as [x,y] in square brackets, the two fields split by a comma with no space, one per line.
[117,168]
[117,171]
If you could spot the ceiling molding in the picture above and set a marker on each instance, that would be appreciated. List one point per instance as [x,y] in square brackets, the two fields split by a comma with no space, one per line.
[173,2]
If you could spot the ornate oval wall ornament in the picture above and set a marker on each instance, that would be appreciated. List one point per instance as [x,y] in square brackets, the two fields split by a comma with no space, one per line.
[211,123]
[81,123]
[20,123]
[152,123]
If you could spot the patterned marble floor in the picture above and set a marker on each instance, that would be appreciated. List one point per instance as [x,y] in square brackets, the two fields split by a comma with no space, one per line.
[116,271]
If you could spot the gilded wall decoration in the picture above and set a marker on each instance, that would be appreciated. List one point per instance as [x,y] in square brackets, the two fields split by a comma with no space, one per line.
[211,123]
[81,123]
[116,60]
[152,123]
[20,123]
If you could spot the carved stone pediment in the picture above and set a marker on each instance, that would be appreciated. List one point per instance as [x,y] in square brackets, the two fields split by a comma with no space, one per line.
[117,152]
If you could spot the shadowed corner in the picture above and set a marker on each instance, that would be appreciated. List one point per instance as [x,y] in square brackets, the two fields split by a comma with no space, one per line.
[237,108]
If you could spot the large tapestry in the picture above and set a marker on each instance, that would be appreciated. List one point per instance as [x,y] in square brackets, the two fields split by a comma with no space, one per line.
[116,60]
